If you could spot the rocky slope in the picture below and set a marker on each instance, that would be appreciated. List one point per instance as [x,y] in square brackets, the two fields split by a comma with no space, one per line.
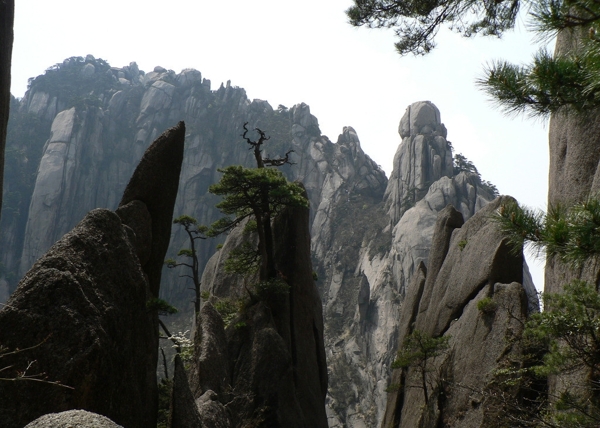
[83,126]
[469,265]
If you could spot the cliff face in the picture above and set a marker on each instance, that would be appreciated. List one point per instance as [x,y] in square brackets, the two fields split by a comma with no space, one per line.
[373,253]
[84,125]
[468,263]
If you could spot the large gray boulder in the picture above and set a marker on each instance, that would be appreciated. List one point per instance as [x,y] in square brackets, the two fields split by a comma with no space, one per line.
[81,313]
[72,419]
[468,263]
[81,321]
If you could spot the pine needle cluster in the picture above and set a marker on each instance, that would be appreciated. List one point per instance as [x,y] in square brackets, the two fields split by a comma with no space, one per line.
[572,234]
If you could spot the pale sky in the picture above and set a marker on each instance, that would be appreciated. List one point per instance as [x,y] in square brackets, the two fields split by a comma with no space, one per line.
[290,52]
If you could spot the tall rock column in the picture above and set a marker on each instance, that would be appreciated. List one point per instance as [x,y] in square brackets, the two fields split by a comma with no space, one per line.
[469,263]
[423,158]
[574,170]
[7,16]
[267,367]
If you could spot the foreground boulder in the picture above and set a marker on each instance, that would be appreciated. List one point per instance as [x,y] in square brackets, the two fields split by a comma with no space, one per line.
[267,367]
[80,331]
[72,419]
[472,295]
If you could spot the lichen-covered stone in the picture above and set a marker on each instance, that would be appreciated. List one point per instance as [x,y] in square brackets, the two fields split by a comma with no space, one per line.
[80,317]
[73,419]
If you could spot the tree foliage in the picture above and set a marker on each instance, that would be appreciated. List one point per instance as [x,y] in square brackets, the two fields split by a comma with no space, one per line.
[259,193]
[462,164]
[547,84]
[568,330]
[417,350]
[417,22]
[571,234]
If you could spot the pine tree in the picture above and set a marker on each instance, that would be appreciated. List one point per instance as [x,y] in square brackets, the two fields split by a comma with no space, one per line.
[259,193]
[547,84]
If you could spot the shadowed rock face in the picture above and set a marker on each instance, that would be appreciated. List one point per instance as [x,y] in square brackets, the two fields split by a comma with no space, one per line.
[155,183]
[467,264]
[80,315]
[7,15]
[268,366]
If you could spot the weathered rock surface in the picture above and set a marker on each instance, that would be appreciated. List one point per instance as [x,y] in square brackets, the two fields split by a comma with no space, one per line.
[468,263]
[80,317]
[82,311]
[423,158]
[155,183]
[268,366]
[365,284]
[73,419]
[183,412]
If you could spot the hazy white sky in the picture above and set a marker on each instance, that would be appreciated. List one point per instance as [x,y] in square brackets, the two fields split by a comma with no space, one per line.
[289,52]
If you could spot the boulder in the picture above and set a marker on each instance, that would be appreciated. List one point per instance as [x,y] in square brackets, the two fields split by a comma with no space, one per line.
[72,419]
[80,318]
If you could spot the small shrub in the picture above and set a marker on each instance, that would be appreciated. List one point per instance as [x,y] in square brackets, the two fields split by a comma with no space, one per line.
[487,305]
[240,325]
[462,244]
[315,276]
[393,387]
[185,345]
[219,246]
[205,295]
[228,309]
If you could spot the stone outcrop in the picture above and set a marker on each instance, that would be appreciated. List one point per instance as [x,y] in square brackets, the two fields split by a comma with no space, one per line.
[183,412]
[80,318]
[365,284]
[468,263]
[423,158]
[267,367]
[7,16]
[72,419]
